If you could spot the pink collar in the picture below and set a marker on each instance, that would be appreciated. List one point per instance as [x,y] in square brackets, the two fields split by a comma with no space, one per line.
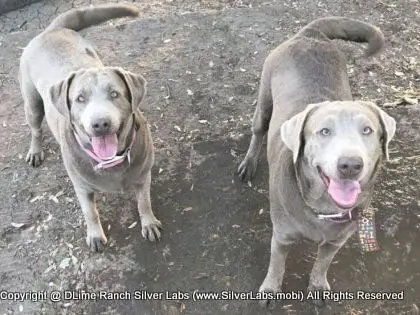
[108,163]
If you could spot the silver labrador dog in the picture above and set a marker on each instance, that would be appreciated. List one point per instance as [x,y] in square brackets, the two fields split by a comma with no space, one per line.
[324,149]
[94,114]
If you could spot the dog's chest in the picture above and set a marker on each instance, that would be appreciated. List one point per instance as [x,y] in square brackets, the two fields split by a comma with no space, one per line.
[103,182]
[120,178]
[330,232]
[116,181]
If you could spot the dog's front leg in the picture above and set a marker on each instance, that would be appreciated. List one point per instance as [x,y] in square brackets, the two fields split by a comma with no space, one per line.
[150,226]
[274,278]
[318,279]
[95,238]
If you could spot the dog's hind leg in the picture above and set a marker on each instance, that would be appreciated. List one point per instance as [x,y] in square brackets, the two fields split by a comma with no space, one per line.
[260,123]
[34,112]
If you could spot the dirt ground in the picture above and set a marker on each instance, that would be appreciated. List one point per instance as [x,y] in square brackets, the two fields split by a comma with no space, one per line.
[202,60]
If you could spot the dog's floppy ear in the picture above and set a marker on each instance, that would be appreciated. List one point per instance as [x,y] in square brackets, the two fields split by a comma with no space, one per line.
[292,130]
[59,94]
[388,126]
[136,86]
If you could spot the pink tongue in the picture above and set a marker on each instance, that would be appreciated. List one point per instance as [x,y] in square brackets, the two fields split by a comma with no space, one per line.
[344,192]
[105,147]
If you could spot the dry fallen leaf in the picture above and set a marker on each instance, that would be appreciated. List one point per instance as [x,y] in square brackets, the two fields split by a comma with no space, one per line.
[48,219]
[410,97]
[53,198]
[60,193]
[411,101]
[74,260]
[64,263]
[133,225]
[39,197]
[17,225]
[50,268]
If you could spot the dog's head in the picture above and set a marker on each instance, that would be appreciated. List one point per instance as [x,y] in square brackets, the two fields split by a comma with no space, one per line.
[99,102]
[339,146]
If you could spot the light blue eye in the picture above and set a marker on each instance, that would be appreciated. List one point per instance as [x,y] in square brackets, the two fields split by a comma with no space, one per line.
[81,99]
[367,131]
[325,132]
[114,94]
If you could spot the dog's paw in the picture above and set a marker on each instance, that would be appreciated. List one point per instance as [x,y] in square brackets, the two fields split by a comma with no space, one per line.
[267,301]
[321,287]
[150,228]
[34,158]
[96,243]
[247,168]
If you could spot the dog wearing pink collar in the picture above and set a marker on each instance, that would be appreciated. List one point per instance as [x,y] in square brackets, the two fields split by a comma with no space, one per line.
[94,114]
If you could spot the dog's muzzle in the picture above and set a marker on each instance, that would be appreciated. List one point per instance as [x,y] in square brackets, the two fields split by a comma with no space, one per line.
[112,161]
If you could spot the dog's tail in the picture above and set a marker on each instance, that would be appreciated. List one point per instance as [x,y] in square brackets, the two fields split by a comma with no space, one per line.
[78,19]
[347,29]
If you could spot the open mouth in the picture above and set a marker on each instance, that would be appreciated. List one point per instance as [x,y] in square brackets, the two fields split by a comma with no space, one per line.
[343,192]
[105,147]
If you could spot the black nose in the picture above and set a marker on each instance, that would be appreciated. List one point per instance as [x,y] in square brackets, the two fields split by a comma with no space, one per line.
[101,126]
[350,166]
